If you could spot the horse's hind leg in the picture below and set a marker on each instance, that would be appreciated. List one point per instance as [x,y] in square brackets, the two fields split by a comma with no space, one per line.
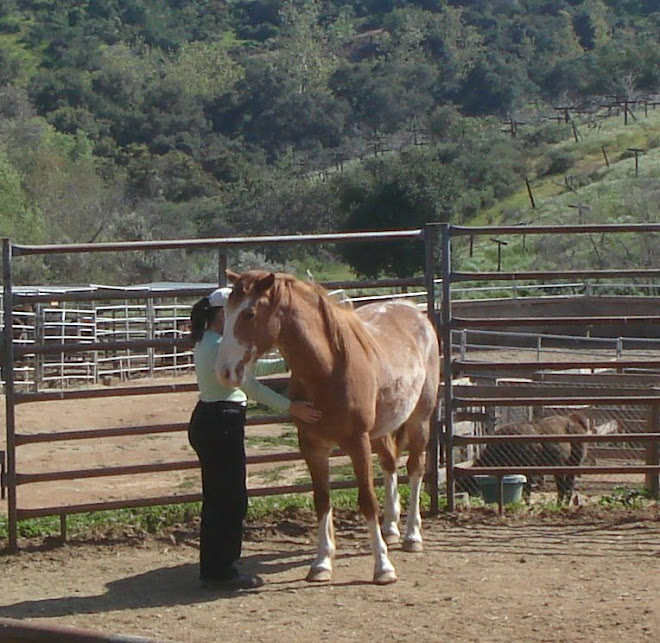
[360,454]
[417,434]
[387,455]
[317,458]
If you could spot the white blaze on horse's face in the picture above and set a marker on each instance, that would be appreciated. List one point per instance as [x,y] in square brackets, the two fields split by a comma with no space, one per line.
[246,319]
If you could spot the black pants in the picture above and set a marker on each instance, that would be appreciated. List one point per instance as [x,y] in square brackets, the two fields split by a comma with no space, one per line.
[217,432]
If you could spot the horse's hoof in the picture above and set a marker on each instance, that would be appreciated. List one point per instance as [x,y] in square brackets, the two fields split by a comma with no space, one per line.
[413,546]
[385,578]
[391,539]
[319,575]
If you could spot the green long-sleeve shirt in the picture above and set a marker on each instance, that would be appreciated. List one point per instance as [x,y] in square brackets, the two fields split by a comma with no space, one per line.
[210,389]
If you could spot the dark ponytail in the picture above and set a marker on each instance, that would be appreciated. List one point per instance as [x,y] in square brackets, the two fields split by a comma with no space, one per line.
[200,316]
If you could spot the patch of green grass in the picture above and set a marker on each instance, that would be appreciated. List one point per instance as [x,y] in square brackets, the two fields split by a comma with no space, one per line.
[140,519]
[323,270]
[153,519]
[263,506]
[288,438]
[623,496]
[274,474]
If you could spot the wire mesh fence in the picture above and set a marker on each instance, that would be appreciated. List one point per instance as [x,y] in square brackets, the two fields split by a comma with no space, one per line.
[552,422]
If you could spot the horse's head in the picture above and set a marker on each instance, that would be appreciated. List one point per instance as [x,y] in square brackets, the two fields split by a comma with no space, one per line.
[251,328]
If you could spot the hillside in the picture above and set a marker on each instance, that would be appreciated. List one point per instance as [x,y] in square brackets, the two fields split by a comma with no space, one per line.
[591,180]
[133,120]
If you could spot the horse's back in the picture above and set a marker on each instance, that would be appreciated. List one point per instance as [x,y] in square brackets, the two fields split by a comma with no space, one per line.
[399,321]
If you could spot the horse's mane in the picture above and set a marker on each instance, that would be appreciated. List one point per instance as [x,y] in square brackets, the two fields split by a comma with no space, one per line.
[339,319]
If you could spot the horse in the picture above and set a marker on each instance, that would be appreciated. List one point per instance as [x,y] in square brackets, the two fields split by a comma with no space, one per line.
[374,373]
[557,454]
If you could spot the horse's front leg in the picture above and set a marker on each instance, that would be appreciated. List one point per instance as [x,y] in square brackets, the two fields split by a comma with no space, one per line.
[360,454]
[317,457]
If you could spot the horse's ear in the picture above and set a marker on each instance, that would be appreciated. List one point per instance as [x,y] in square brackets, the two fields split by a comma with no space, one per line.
[264,284]
[232,276]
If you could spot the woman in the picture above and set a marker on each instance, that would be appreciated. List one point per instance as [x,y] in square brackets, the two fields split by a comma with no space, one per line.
[216,433]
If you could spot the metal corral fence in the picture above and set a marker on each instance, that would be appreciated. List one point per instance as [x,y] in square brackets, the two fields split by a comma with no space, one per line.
[160,315]
[124,342]
[163,314]
[501,385]
[445,441]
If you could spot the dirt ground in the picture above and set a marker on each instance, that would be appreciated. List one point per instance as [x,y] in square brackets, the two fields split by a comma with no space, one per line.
[578,576]
[581,575]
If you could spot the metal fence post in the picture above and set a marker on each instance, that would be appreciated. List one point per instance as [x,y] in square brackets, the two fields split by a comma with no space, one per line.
[446,323]
[151,334]
[653,452]
[434,438]
[39,335]
[10,406]
[222,267]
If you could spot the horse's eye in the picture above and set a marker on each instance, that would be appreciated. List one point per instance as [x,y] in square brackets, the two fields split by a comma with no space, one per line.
[249,314]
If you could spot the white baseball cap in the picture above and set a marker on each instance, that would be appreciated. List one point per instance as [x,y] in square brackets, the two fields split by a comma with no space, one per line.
[218,298]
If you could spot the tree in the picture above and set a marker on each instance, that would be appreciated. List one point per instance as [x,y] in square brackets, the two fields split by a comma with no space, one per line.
[494,85]
[18,221]
[394,194]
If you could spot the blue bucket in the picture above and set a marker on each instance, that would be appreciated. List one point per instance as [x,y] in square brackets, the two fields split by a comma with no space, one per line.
[512,488]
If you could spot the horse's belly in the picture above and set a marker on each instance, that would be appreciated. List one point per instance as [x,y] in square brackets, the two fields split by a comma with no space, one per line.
[395,405]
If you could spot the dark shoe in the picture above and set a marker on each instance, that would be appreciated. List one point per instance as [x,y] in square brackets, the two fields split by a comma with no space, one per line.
[235,582]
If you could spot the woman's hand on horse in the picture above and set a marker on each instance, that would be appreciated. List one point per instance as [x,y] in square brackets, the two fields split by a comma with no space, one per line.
[305,411]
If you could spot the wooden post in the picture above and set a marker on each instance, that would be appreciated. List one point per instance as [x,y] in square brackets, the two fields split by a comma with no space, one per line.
[653,452]
[564,110]
[636,151]
[529,192]
[581,210]
[607,162]
[512,126]
[626,103]
[63,530]
[499,243]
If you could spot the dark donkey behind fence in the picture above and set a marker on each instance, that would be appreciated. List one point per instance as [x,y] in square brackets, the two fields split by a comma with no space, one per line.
[537,454]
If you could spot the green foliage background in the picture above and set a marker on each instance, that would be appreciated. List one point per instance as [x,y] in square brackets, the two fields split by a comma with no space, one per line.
[127,119]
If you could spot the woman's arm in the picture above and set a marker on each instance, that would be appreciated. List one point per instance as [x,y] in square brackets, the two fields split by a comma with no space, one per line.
[264,395]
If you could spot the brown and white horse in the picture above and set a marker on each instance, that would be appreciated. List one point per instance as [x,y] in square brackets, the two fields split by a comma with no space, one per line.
[373,372]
